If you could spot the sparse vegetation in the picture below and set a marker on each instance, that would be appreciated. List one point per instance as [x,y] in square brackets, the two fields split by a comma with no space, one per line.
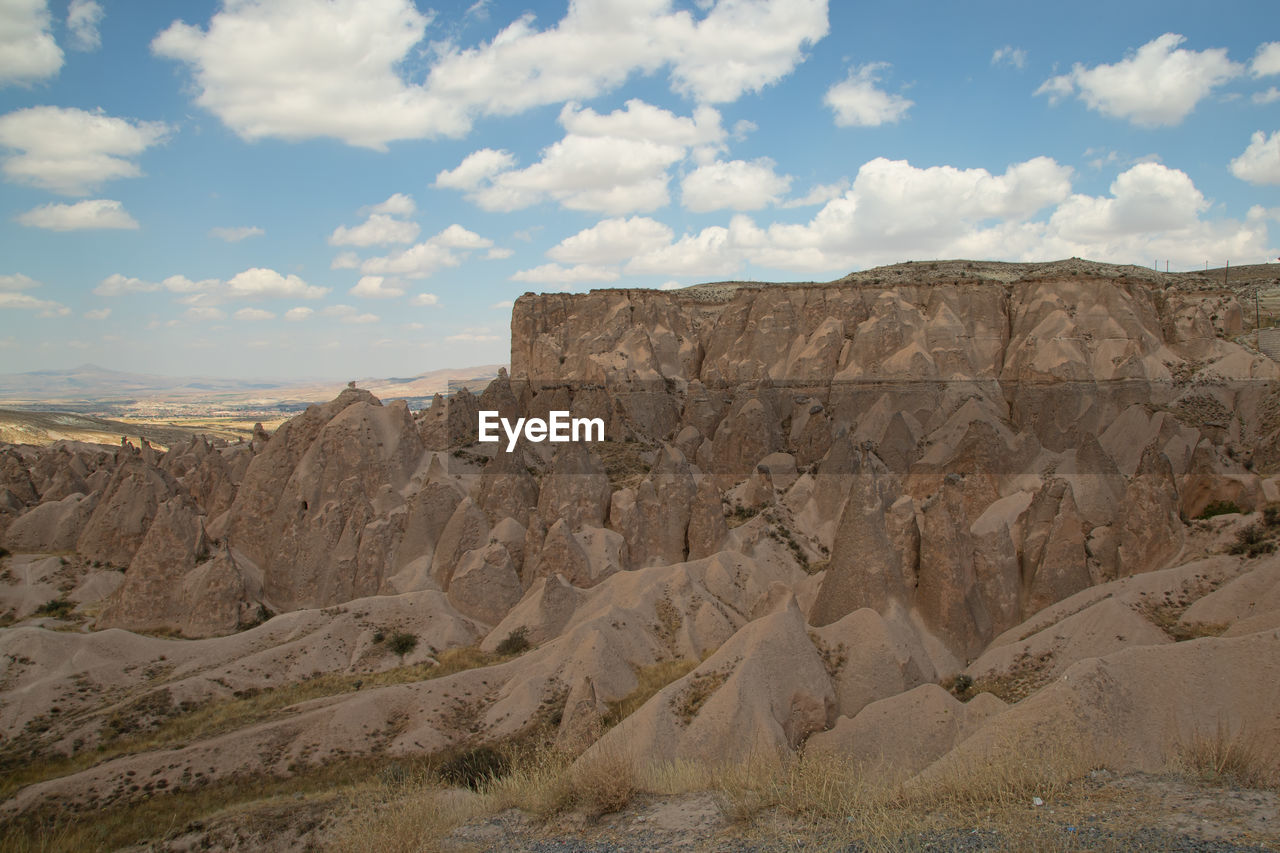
[57,608]
[515,643]
[1219,508]
[1253,541]
[402,643]
[1236,757]
[650,679]
[701,687]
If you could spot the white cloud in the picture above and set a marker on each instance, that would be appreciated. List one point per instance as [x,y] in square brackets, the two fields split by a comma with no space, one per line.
[820,194]
[260,283]
[182,284]
[397,204]
[97,314]
[204,314]
[612,240]
[1267,60]
[1156,86]
[457,237]
[733,185]
[446,249]
[17,281]
[1268,97]
[505,304]
[1260,162]
[10,297]
[424,300]
[99,213]
[83,17]
[72,151]
[857,102]
[118,285]
[556,274]
[670,285]
[498,254]
[641,121]
[27,302]
[346,261]
[1010,55]
[235,235]
[297,69]
[615,163]
[895,211]
[348,314]
[476,168]
[297,315]
[377,287]
[253,315]
[27,50]
[379,229]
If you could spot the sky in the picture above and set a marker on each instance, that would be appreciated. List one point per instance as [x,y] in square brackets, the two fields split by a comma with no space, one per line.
[333,189]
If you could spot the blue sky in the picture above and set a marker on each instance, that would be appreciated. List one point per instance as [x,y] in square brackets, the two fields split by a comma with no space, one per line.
[356,188]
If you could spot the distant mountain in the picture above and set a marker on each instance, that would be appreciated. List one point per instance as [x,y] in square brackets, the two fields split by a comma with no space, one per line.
[101,391]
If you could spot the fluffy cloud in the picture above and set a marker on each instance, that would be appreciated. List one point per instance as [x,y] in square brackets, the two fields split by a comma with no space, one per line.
[204,314]
[1267,60]
[17,281]
[253,315]
[118,285]
[820,194]
[446,249]
[296,69]
[612,240]
[348,314]
[1260,162]
[473,336]
[424,300]
[857,102]
[71,151]
[733,185]
[297,315]
[10,297]
[27,302]
[27,50]
[1010,55]
[556,274]
[615,163]
[83,17]
[379,229]
[260,283]
[1158,85]
[99,213]
[377,287]
[398,204]
[235,235]
[895,211]
[1268,97]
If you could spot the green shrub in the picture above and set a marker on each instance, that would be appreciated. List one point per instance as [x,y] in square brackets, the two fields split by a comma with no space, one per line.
[402,643]
[1219,508]
[516,642]
[55,607]
[1252,541]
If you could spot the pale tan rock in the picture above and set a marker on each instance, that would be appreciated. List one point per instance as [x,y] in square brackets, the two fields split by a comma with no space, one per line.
[123,514]
[485,585]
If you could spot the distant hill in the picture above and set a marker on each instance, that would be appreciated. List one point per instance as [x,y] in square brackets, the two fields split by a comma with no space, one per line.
[90,389]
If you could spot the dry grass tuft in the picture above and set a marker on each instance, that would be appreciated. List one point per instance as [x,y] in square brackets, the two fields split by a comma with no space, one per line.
[651,679]
[1237,757]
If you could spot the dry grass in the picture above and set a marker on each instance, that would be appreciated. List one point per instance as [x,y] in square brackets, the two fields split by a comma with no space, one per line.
[1236,757]
[651,679]
[227,715]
